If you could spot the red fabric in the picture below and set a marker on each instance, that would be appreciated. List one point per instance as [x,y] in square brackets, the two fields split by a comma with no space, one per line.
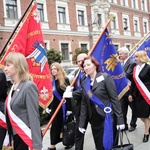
[26,41]
[3,120]
[3,124]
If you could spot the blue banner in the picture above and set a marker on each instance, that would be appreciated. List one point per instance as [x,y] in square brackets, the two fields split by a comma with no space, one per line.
[144,46]
[106,54]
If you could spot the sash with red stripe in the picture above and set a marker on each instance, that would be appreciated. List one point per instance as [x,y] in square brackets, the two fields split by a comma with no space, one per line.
[141,87]
[20,127]
[2,120]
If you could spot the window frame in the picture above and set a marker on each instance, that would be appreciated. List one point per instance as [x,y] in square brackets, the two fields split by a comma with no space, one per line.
[12,10]
[85,42]
[135,4]
[147,27]
[82,7]
[62,26]
[69,49]
[62,15]
[128,45]
[125,23]
[143,5]
[65,54]
[136,24]
[113,23]
[41,11]
[113,1]
[81,17]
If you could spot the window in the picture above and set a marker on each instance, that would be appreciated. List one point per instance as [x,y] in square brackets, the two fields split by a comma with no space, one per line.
[11,9]
[99,19]
[65,51]
[125,23]
[62,15]
[112,1]
[40,11]
[145,27]
[143,5]
[134,4]
[116,46]
[135,25]
[84,46]
[62,10]
[113,23]
[81,17]
[123,2]
[128,47]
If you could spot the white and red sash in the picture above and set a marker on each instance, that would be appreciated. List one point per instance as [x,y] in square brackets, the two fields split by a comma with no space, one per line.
[20,127]
[2,120]
[3,124]
[141,87]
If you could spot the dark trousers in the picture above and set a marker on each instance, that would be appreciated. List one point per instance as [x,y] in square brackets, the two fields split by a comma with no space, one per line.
[124,104]
[19,144]
[98,130]
[79,137]
[2,136]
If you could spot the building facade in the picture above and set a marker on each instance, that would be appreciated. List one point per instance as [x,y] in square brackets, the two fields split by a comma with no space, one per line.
[71,24]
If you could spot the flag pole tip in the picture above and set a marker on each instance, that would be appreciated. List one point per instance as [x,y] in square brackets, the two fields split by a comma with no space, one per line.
[111,17]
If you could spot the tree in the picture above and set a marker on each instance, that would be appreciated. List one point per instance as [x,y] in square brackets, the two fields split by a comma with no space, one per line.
[79,51]
[53,56]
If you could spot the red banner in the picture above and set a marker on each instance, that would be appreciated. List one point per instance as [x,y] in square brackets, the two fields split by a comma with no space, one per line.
[29,41]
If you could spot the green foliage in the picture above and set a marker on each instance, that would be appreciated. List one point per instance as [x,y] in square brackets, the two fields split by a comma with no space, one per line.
[79,51]
[44,117]
[53,56]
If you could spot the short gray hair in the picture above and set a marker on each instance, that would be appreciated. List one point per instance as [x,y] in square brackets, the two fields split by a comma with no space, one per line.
[124,50]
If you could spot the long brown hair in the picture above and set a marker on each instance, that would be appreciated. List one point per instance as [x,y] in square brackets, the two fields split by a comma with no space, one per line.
[61,75]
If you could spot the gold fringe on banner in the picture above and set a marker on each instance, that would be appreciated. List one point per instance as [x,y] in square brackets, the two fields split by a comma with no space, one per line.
[7,148]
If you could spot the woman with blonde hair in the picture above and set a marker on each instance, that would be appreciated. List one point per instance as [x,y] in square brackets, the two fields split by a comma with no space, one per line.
[60,82]
[22,105]
[140,90]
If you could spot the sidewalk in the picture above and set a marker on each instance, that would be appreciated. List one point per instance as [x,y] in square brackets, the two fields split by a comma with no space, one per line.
[135,137]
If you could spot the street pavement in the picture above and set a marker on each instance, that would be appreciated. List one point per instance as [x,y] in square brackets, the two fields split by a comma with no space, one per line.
[135,138]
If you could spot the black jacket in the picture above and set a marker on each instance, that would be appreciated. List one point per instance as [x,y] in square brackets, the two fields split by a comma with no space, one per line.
[3,90]
[105,90]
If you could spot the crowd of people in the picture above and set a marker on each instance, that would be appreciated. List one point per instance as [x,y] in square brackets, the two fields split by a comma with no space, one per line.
[95,96]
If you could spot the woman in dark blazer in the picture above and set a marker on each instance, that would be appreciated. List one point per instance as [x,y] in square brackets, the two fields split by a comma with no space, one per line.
[3,95]
[22,105]
[99,104]
[140,90]
[60,82]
